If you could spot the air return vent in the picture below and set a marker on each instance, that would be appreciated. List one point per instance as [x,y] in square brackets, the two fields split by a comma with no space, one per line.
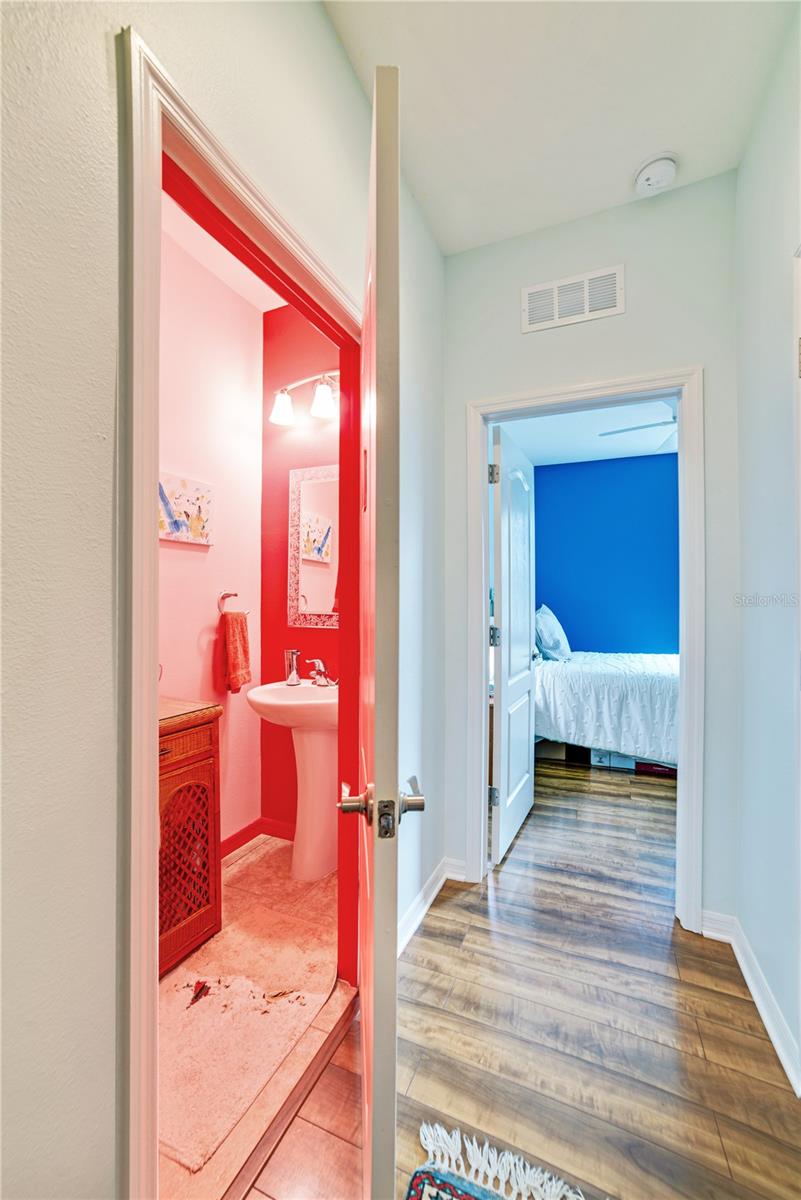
[578,298]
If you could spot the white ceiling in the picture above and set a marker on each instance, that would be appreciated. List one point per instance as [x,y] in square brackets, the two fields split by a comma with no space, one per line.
[215,258]
[517,116]
[574,437]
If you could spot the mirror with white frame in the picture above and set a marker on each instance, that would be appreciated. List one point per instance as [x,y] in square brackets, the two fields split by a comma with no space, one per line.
[313,547]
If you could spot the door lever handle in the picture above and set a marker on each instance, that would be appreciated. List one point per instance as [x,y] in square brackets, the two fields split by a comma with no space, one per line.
[411,801]
[360,803]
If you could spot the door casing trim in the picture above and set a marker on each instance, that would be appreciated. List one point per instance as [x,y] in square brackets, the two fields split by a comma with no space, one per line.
[688,382]
[152,109]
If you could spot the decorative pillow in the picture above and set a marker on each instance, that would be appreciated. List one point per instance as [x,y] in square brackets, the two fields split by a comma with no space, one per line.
[551,638]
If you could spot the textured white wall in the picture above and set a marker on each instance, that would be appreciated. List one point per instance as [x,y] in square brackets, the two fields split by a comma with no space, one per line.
[768,233]
[273,83]
[678,253]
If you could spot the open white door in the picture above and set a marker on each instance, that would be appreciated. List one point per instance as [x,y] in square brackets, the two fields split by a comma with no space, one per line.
[378,805]
[513,731]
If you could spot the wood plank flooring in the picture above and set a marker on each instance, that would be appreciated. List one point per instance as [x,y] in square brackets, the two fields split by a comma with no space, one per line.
[558,1010]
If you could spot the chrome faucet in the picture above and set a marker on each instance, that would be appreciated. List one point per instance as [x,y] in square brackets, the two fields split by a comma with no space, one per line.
[319,674]
[291,667]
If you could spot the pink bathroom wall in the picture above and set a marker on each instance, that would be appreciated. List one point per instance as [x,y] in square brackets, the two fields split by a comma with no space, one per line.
[211,430]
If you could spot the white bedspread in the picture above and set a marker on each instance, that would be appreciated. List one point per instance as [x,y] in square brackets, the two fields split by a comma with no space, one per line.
[622,702]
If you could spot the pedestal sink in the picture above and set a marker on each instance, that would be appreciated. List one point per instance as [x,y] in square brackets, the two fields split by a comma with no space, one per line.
[311,712]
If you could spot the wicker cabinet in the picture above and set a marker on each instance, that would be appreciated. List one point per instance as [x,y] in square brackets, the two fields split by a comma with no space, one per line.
[190,894]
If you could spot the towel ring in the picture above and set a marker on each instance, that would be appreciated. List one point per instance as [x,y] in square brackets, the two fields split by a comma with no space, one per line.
[221,599]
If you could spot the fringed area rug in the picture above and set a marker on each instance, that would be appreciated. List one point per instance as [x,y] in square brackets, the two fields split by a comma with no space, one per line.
[459,1168]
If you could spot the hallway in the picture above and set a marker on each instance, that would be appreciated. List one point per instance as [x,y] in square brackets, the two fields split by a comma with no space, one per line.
[559,1010]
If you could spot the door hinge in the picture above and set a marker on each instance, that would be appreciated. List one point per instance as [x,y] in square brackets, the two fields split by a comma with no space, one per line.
[494,796]
[494,473]
[799,364]
[495,635]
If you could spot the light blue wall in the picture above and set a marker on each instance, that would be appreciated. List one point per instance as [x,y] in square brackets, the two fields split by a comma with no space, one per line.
[678,253]
[607,558]
[768,231]
[421,697]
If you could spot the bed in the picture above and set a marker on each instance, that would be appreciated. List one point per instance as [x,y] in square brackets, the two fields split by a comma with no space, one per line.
[627,703]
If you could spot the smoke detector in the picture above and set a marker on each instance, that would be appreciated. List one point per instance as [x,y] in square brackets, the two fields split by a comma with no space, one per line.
[655,175]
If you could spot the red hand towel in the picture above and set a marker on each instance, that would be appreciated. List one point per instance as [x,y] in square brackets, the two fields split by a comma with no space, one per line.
[236,649]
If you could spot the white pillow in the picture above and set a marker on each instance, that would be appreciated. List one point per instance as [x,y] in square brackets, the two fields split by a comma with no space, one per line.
[551,637]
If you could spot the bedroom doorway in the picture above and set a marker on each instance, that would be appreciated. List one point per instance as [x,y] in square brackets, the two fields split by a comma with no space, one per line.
[627,710]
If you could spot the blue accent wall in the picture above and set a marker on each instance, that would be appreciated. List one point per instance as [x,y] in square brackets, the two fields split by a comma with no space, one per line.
[607,551]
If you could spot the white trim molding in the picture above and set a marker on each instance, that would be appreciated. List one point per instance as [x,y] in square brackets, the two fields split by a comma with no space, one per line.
[153,115]
[724,928]
[412,917]
[688,383]
[797,438]
[455,869]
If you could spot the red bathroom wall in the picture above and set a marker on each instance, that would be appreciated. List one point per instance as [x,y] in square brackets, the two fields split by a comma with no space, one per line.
[293,349]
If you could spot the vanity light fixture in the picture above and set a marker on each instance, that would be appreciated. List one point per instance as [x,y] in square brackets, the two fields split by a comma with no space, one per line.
[283,411]
[324,405]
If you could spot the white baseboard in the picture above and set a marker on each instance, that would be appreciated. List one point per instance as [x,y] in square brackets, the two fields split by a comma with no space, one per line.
[720,927]
[725,928]
[455,868]
[409,922]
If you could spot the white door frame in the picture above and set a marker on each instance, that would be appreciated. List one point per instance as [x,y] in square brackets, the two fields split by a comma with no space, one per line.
[150,106]
[796,351]
[688,382]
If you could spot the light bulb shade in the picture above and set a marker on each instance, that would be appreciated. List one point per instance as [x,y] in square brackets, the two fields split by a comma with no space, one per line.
[324,405]
[283,412]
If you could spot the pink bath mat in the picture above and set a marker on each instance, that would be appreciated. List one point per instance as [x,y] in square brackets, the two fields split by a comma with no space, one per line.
[217,1054]
[269,973]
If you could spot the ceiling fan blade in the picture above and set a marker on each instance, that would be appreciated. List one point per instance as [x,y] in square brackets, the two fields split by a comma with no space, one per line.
[634,428]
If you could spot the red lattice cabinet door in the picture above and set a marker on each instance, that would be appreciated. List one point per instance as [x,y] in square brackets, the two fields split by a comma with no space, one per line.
[190,909]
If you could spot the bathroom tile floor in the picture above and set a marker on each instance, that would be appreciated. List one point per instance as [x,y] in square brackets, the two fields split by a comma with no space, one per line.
[320,1154]
[263,868]
[283,934]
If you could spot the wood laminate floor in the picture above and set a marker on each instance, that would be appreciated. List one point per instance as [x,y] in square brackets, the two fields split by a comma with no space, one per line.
[559,1010]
